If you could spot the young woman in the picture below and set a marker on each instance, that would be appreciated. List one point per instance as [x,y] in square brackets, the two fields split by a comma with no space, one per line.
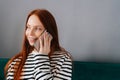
[41,57]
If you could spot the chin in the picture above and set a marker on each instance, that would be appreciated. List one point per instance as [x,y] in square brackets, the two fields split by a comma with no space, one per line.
[31,44]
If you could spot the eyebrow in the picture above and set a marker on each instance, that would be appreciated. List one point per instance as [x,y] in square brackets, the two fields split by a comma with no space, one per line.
[35,25]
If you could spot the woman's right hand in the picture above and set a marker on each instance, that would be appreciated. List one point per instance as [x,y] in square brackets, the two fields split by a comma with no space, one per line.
[45,42]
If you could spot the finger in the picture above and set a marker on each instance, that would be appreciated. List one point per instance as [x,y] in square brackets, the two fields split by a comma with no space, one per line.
[41,43]
[49,40]
[44,38]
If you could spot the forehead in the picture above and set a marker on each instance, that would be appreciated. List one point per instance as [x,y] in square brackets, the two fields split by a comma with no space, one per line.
[33,20]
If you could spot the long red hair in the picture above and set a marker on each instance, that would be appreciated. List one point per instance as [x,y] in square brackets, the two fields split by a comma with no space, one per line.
[50,25]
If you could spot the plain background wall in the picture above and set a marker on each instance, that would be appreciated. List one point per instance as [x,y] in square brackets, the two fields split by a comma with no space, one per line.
[88,29]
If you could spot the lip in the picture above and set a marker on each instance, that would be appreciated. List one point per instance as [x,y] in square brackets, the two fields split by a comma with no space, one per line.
[31,39]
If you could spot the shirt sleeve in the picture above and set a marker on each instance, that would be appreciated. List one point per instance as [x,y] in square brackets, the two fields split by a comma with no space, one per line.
[61,71]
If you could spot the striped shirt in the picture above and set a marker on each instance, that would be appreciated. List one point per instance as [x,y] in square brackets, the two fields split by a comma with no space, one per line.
[39,67]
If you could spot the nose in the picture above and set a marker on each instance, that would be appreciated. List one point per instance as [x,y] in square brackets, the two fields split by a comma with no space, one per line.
[31,33]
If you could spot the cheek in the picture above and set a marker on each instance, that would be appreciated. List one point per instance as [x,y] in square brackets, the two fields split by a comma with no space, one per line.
[26,33]
[38,34]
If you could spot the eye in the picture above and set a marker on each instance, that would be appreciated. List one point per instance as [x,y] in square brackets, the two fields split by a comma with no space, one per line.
[28,28]
[38,28]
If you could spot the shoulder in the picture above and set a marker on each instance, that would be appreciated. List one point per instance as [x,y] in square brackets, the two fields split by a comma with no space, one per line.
[61,55]
[61,60]
[16,60]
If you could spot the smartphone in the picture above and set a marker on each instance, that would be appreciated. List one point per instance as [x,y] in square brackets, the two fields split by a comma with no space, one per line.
[37,43]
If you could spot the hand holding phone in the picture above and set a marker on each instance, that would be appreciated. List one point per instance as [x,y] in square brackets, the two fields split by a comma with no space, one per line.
[37,43]
[43,43]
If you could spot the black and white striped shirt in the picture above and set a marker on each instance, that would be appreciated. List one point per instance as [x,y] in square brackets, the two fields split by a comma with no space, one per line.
[39,67]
